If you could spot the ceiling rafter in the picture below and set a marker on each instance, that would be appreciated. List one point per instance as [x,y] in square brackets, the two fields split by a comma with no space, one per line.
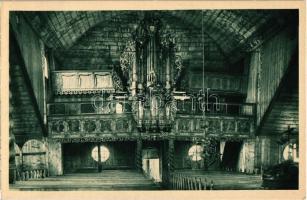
[230,30]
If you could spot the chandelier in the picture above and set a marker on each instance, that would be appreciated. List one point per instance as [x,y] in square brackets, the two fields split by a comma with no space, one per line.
[152,72]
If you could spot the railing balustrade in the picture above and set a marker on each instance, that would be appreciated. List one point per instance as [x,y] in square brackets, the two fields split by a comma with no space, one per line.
[179,181]
[34,174]
[118,107]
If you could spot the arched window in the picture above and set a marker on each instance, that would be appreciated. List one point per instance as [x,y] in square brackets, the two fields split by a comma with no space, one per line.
[119,108]
[195,152]
[104,153]
[290,152]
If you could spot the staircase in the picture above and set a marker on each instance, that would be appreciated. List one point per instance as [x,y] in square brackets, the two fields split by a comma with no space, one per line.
[106,180]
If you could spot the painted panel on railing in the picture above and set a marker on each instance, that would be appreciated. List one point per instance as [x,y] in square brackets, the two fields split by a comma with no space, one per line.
[214,126]
[216,82]
[115,128]
[81,82]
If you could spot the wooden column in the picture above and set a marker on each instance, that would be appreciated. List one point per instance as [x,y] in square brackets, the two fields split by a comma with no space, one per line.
[134,71]
[99,158]
[12,164]
[167,161]
[171,155]
[138,155]
[54,158]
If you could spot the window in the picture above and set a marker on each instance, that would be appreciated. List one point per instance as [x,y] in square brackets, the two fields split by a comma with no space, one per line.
[119,108]
[291,152]
[104,153]
[195,152]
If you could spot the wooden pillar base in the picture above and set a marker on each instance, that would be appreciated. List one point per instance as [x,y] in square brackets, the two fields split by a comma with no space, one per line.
[138,155]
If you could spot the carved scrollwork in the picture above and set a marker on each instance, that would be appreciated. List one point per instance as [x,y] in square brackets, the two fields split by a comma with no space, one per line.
[54,127]
[127,58]
[59,126]
[74,125]
[125,125]
[167,37]
[229,126]
[243,126]
[213,126]
[119,125]
[178,68]
[253,44]
[105,126]
[89,126]
[117,82]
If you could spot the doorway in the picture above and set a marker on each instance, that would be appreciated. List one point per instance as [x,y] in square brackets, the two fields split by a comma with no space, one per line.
[231,155]
[151,161]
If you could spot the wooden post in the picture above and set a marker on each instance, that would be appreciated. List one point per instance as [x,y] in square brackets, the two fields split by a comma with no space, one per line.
[211,185]
[27,175]
[23,177]
[195,184]
[182,182]
[205,184]
[99,158]
[138,156]
[169,159]
[171,154]
[190,183]
[179,182]
[199,184]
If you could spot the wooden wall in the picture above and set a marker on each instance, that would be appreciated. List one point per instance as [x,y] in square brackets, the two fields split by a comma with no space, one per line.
[275,56]
[284,109]
[32,51]
[267,152]
[273,85]
[25,119]
[77,156]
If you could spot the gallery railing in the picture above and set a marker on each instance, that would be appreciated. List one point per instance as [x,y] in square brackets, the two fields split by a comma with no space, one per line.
[114,121]
[120,107]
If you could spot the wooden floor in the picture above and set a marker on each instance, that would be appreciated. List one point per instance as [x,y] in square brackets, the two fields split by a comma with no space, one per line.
[106,180]
[223,180]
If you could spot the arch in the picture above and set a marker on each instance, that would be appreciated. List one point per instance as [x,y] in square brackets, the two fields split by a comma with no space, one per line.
[34,155]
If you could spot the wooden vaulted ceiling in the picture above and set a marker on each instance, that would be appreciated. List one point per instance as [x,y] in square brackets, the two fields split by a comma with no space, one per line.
[93,40]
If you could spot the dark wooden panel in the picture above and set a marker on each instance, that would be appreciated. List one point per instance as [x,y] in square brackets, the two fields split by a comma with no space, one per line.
[283,111]
[24,116]
[32,51]
[275,58]
[77,156]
